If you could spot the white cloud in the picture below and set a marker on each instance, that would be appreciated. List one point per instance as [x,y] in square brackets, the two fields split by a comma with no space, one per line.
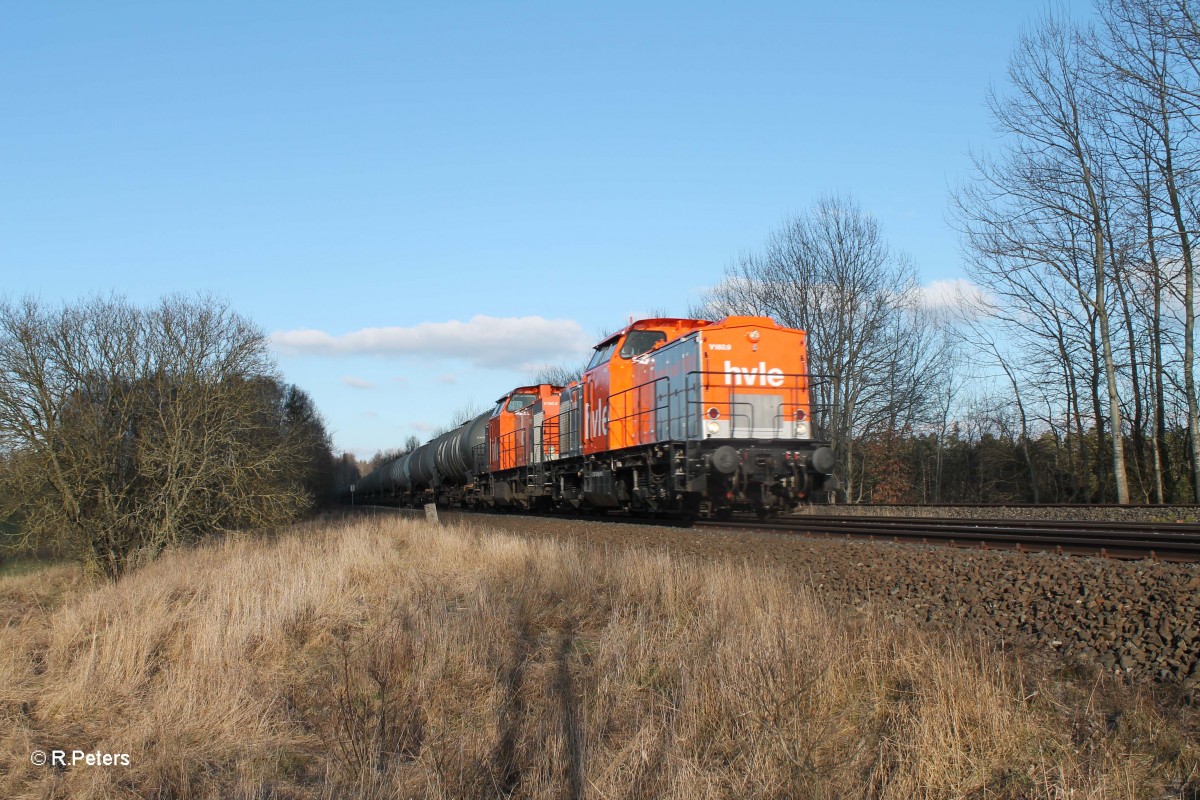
[498,342]
[447,378]
[357,383]
[958,295]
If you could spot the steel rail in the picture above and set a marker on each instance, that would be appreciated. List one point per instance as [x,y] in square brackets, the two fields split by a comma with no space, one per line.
[1126,540]
[999,504]
[1164,541]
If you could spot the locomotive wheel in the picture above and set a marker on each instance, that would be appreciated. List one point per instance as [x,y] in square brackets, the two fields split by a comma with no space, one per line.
[725,513]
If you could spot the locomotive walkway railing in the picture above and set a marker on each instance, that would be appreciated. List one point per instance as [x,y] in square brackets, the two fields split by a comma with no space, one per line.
[667,409]
[744,410]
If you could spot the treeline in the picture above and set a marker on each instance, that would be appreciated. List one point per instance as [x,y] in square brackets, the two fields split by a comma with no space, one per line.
[125,430]
[988,464]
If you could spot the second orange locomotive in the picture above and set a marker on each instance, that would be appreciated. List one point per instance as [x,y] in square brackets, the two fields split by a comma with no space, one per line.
[683,416]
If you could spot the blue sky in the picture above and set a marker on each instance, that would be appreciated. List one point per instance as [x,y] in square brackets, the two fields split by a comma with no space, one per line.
[364,180]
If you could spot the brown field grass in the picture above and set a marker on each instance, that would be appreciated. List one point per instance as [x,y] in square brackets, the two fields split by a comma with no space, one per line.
[389,659]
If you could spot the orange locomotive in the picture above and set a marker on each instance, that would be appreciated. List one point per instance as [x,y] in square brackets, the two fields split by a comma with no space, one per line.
[671,415]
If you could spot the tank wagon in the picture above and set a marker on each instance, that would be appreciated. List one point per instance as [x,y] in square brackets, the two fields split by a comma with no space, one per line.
[679,416]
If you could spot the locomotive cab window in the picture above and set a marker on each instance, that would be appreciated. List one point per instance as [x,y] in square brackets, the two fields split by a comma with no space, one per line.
[603,353]
[520,401]
[638,342]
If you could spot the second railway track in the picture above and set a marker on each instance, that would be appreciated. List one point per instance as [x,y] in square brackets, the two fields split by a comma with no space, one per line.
[1127,540]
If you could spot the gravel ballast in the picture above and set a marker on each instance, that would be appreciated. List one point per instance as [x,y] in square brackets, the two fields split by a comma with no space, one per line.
[1138,618]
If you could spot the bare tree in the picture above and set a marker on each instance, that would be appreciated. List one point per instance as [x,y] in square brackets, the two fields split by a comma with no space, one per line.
[460,416]
[465,413]
[1044,205]
[831,273]
[126,430]
[558,374]
[1150,53]
[982,341]
[305,426]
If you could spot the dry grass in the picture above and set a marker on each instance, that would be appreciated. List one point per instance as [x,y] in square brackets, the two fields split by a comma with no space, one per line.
[387,659]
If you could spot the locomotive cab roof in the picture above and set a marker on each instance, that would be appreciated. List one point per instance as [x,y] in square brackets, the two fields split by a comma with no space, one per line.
[524,396]
[684,324]
[659,331]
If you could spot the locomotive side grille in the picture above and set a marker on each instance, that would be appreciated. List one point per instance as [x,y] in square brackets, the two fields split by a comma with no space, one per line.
[568,423]
[537,433]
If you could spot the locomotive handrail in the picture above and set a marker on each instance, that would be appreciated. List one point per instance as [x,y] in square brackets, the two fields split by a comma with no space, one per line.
[641,412]
[636,412]
[517,447]
[636,408]
[792,396]
[806,381]
[571,429]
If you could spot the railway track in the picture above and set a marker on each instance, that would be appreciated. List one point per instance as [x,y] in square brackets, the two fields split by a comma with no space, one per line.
[1104,506]
[1164,541]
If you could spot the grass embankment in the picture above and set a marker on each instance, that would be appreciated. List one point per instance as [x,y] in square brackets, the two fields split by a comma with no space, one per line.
[389,659]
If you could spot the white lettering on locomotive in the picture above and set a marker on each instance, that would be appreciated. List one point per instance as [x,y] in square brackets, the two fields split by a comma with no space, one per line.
[595,420]
[753,376]
[720,347]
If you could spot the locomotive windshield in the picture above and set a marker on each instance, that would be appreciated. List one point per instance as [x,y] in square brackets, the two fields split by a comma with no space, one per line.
[520,401]
[603,353]
[638,342]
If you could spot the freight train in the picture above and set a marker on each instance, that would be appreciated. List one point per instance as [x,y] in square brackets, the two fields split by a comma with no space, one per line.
[685,417]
